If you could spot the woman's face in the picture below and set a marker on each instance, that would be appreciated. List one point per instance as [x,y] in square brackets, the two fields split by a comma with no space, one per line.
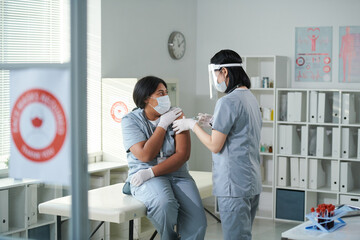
[159,92]
[220,75]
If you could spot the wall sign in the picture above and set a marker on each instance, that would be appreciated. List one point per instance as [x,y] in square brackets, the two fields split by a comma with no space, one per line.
[313,54]
[118,111]
[40,141]
[349,54]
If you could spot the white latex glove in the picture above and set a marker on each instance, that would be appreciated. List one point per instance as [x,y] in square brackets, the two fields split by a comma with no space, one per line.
[142,176]
[183,125]
[167,118]
[205,119]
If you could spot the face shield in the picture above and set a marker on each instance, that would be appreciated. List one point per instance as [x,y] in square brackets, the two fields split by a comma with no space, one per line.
[212,76]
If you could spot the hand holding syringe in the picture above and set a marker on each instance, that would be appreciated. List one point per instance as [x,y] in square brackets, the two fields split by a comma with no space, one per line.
[204,119]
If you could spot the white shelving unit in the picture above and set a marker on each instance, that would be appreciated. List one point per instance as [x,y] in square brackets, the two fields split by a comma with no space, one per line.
[320,147]
[21,199]
[22,219]
[276,68]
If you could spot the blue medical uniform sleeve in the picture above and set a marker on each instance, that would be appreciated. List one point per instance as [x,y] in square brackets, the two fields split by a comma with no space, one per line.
[132,133]
[224,116]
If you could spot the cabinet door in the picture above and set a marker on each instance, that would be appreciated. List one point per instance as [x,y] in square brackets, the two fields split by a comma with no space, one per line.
[4,211]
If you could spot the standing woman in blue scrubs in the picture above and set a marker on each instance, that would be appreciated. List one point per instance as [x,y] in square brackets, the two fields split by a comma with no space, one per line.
[157,159]
[234,143]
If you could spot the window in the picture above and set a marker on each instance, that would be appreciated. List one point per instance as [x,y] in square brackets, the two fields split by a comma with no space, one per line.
[31,31]
[37,31]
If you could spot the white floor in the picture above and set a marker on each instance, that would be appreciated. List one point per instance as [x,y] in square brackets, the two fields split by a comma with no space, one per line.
[262,229]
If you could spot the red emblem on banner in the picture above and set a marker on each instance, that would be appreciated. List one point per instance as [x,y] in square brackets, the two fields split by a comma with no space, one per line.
[35,144]
[118,111]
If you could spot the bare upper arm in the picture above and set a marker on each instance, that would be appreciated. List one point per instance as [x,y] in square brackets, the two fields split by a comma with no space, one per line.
[138,150]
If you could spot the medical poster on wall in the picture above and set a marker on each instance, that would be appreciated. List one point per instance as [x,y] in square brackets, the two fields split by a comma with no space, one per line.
[349,54]
[40,128]
[313,54]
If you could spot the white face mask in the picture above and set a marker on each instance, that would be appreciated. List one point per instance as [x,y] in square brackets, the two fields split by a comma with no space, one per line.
[221,87]
[164,104]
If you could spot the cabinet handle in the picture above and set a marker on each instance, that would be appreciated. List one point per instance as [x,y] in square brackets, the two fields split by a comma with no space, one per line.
[354,199]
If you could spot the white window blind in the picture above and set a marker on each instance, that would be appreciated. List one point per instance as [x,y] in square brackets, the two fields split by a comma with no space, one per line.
[94,76]
[31,31]
[37,31]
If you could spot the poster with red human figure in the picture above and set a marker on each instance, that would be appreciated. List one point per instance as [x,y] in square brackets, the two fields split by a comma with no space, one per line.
[313,54]
[40,129]
[349,54]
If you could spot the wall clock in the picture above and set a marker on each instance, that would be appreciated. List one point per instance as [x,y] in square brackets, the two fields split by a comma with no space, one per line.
[176,45]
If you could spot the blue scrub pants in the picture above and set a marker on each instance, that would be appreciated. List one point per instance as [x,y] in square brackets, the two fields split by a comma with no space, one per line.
[237,216]
[173,201]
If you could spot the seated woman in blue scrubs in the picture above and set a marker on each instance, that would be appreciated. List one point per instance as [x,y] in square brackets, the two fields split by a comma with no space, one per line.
[157,158]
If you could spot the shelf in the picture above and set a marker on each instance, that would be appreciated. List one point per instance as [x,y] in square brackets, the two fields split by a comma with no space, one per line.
[11,182]
[350,159]
[13,230]
[323,124]
[350,125]
[286,155]
[104,165]
[41,223]
[292,123]
[266,154]
[322,158]
[263,89]
[267,184]
[268,122]
[291,188]
[323,190]
[355,191]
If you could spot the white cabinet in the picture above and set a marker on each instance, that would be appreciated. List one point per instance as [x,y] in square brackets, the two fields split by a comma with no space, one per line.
[19,200]
[329,144]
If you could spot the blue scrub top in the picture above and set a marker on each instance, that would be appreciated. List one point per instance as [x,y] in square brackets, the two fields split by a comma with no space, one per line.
[236,168]
[137,128]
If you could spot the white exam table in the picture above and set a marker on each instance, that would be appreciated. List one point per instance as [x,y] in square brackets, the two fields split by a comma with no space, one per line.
[109,204]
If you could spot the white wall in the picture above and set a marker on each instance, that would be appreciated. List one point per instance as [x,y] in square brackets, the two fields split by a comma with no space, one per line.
[135,34]
[134,42]
[263,27]
[268,27]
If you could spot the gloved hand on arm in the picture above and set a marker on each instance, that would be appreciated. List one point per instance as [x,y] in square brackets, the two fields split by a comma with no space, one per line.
[168,118]
[142,176]
[204,119]
[184,124]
